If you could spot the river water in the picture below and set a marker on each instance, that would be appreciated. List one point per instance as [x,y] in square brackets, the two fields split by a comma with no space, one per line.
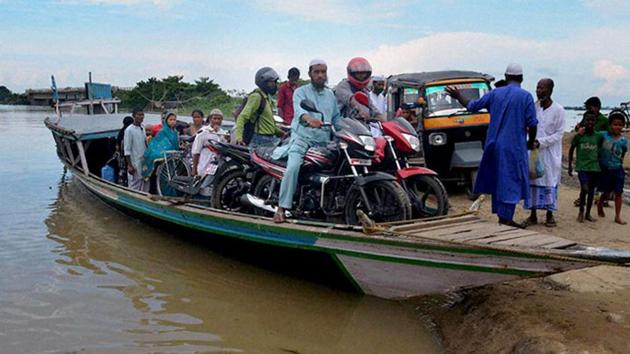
[79,276]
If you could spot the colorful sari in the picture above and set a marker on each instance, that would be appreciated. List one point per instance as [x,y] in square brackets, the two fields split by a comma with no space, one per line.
[167,139]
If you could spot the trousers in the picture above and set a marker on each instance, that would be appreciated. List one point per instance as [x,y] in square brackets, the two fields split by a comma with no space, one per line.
[289,183]
[503,210]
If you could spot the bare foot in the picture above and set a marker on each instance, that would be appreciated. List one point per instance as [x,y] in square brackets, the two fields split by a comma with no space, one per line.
[278,217]
[580,217]
[619,221]
[588,217]
[600,213]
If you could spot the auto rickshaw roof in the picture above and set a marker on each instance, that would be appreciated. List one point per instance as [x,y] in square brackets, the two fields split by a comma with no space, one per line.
[423,78]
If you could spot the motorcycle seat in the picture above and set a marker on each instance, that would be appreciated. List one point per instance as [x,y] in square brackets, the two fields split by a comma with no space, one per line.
[265,153]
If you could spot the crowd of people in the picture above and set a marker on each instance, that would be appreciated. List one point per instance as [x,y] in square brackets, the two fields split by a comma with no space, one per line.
[518,126]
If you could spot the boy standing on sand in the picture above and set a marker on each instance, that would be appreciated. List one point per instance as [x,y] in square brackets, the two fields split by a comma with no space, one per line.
[587,163]
[613,151]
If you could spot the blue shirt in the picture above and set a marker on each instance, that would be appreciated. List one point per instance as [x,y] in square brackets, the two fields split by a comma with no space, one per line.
[503,170]
[612,151]
[325,102]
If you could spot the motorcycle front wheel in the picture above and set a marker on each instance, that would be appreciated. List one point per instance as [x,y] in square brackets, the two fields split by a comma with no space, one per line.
[427,195]
[388,201]
[227,193]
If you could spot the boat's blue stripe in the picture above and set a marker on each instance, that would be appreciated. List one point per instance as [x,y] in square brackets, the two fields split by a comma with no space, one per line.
[218,227]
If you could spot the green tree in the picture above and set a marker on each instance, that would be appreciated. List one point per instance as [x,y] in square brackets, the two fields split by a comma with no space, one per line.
[5,94]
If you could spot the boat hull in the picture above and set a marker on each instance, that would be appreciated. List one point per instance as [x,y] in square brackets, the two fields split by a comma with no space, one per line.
[374,265]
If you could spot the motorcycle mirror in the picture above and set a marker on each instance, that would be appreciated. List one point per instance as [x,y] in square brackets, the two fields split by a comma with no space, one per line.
[362,98]
[308,105]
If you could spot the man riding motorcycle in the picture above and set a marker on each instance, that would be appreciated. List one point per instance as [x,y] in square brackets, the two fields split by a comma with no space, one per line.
[306,131]
[359,74]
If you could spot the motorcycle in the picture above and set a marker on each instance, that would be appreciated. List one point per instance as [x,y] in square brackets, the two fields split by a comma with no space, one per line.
[334,181]
[400,140]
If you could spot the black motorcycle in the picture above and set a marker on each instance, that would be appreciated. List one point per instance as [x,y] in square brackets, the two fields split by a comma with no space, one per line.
[334,181]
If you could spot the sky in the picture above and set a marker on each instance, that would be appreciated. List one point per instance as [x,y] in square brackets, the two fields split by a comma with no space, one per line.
[584,45]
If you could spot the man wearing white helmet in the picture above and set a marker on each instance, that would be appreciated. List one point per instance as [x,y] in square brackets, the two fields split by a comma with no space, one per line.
[503,171]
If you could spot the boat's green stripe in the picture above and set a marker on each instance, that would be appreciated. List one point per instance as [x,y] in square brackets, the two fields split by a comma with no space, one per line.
[280,230]
[434,264]
[347,274]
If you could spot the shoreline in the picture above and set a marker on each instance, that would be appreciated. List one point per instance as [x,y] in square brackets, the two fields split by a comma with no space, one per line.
[580,311]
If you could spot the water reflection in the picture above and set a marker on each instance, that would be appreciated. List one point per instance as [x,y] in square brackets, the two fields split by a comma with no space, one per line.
[126,286]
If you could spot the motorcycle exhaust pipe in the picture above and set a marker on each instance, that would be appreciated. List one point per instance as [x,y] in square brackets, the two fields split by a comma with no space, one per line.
[253,201]
[250,200]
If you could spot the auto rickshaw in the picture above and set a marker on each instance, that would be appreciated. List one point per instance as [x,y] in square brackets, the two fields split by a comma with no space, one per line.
[452,137]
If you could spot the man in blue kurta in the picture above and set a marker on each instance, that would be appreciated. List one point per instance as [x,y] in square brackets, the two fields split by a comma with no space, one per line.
[503,172]
[306,130]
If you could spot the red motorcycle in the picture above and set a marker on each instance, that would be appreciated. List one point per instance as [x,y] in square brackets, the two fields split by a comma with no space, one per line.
[400,140]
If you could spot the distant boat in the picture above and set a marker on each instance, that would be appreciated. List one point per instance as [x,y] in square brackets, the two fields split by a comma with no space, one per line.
[392,261]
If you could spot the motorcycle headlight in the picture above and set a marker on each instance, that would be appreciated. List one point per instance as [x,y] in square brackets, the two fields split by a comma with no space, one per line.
[368,141]
[437,139]
[413,141]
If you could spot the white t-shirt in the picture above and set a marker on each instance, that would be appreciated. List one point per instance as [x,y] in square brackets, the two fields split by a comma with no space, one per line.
[201,145]
[379,102]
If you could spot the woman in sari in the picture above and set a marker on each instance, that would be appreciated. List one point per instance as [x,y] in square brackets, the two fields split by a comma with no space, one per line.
[167,139]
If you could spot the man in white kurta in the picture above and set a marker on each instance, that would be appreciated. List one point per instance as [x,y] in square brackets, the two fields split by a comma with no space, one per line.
[544,190]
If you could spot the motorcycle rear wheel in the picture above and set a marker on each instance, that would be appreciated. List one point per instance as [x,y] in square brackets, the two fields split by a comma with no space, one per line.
[388,200]
[261,190]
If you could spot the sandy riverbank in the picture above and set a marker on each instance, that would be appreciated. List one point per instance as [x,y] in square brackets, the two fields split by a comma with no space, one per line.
[584,311]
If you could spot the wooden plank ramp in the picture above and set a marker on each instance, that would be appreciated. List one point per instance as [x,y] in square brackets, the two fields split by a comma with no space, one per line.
[473,230]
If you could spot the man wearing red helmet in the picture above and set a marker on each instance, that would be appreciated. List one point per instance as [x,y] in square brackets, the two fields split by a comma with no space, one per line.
[359,75]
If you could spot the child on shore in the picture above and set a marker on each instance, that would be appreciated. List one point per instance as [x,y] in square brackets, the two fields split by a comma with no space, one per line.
[613,151]
[587,164]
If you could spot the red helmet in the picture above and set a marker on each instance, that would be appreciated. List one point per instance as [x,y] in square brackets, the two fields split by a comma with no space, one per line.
[359,72]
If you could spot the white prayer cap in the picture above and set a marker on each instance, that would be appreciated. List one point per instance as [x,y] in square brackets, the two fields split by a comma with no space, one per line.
[317,62]
[378,78]
[514,69]
[216,111]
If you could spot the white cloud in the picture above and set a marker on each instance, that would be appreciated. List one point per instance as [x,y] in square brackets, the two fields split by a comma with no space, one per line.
[581,64]
[615,78]
[335,11]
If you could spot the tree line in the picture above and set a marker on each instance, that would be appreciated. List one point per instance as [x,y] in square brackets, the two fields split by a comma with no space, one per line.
[8,97]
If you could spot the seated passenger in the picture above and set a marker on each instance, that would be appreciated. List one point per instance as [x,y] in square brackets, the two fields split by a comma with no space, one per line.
[202,152]
[167,139]
[408,113]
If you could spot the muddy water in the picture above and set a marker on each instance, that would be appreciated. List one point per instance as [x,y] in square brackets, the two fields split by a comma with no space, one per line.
[78,275]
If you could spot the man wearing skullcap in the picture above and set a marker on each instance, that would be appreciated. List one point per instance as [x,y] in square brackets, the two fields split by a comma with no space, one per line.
[503,171]
[306,130]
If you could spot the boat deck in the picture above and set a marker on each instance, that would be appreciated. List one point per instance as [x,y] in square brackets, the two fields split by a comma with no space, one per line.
[473,230]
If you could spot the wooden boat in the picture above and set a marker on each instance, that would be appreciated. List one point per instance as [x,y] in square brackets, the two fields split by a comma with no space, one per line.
[393,261]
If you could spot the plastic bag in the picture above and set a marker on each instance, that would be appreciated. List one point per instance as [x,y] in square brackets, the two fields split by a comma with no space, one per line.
[536,168]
